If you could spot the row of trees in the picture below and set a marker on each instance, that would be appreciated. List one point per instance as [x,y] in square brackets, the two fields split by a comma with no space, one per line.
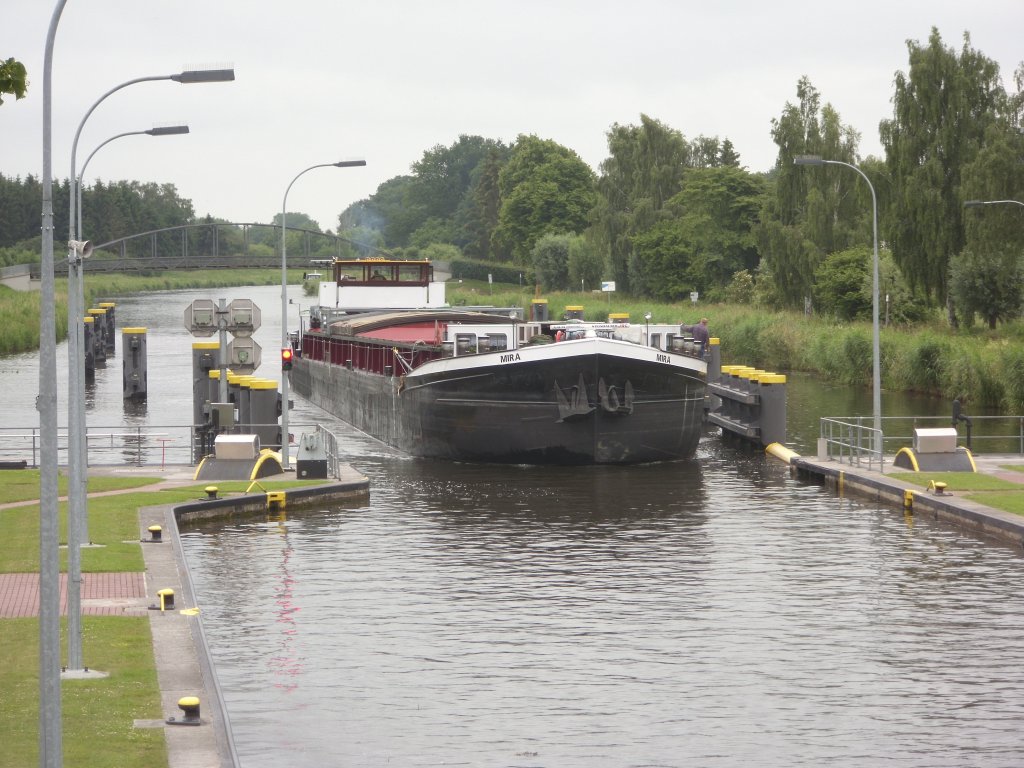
[109,211]
[665,215]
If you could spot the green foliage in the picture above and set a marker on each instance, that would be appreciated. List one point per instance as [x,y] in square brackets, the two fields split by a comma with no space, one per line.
[1012,375]
[440,252]
[942,108]
[19,320]
[545,188]
[550,259]
[433,230]
[839,283]
[586,266]
[811,211]
[448,198]
[991,286]
[708,237]
[741,289]
[643,170]
[466,269]
[13,79]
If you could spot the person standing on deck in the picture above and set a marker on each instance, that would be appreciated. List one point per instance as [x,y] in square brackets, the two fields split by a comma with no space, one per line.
[700,333]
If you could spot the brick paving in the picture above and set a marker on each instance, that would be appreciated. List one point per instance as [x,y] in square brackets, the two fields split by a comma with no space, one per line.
[103,594]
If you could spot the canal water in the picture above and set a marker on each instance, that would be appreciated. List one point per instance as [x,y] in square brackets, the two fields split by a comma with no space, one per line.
[716,612]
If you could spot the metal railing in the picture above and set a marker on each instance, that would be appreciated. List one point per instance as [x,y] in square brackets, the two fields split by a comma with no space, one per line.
[333,454]
[139,446]
[850,439]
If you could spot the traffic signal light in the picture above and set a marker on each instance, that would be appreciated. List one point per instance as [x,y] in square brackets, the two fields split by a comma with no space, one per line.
[286,359]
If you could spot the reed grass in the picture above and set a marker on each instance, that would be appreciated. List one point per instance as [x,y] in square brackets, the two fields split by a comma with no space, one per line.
[985,367]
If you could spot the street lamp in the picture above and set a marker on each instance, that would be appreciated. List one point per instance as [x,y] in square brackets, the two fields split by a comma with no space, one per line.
[78,518]
[165,130]
[876,368]
[77,475]
[982,203]
[285,343]
[51,754]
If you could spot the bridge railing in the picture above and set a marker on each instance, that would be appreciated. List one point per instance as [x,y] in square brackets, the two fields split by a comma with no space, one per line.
[214,245]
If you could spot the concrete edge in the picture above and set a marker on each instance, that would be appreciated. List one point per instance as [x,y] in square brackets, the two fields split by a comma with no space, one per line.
[969,515]
[181,654]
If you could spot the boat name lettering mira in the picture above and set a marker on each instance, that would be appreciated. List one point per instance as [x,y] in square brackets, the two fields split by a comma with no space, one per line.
[385,353]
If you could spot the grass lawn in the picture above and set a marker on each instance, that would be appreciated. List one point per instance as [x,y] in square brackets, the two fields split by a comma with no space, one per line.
[991,491]
[23,484]
[113,522]
[96,715]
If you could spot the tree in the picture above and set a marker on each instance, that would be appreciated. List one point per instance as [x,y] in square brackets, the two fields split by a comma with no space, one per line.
[839,284]
[444,175]
[545,188]
[643,170]
[942,108]
[813,211]
[13,79]
[550,257]
[586,267]
[991,285]
[708,238]
[477,217]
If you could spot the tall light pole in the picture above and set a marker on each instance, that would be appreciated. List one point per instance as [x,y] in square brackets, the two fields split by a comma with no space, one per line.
[875,351]
[50,741]
[77,475]
[285,342]
[78,511]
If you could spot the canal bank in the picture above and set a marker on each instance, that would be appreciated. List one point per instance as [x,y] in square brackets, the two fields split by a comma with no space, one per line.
[184,669]
[941,501]
[196,728]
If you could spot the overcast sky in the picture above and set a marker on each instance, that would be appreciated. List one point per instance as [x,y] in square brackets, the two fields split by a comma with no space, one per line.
[324,80]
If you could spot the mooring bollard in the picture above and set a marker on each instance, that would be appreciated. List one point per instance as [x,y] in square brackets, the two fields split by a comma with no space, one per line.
[211,491]
[166,598]
[156,533]
[190,706]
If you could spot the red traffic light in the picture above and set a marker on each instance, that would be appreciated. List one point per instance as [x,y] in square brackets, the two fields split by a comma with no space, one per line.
[286,359]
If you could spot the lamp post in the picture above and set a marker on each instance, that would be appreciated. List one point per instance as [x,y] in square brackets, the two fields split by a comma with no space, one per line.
[78,515]
[875,351]
[982,203]
[164,130]
[285,343]
[77,475]
[50,741]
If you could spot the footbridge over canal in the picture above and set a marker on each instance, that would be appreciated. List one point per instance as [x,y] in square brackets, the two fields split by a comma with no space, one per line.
[214,245]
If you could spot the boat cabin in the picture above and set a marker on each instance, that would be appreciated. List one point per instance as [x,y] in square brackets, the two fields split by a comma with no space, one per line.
[381,283]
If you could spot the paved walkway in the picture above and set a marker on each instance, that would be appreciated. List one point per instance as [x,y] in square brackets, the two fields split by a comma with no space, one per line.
[103,594]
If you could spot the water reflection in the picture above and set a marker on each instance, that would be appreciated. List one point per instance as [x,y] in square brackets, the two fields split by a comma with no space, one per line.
[718,614]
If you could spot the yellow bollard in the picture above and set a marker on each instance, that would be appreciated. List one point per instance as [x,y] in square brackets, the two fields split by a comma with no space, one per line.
[166,598]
